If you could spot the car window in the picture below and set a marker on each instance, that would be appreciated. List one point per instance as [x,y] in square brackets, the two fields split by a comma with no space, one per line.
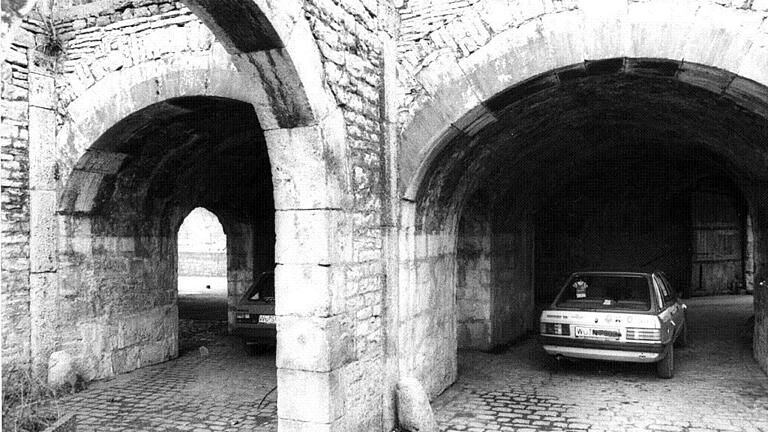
[665,281]
[630,292]
[666,294]
[264,289]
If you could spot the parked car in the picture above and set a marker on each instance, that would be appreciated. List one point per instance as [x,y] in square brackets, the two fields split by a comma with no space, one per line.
[255,318]
[617,316]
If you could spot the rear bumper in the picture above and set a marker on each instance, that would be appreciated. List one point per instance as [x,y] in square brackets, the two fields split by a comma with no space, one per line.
[603,350]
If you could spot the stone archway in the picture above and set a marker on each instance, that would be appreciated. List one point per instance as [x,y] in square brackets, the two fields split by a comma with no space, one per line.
[484,56]
[304,134]
[120,211]
[449,83]
[505,156]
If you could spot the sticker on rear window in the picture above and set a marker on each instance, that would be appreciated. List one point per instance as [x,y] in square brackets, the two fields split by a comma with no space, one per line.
[581,289]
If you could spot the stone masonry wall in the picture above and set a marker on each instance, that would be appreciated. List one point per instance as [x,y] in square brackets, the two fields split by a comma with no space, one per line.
[346,33]
[473,285]
[99,42]
[431,28]
[512,278]
[116,309]
[14,139]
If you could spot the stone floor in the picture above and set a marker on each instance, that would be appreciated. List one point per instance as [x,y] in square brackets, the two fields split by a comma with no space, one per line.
[717,387]
[223,390]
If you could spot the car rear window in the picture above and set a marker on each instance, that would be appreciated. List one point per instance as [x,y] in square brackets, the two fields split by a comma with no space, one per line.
[630,292]
[264,289]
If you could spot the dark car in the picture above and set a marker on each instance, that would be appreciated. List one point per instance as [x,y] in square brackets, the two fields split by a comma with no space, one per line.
[255,319]
[618,316]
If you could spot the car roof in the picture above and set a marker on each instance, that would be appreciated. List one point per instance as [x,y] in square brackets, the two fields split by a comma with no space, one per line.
[614,272]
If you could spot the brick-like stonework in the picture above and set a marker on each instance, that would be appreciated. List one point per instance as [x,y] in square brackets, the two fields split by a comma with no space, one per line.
[14,138]
[462,27]
[347,37]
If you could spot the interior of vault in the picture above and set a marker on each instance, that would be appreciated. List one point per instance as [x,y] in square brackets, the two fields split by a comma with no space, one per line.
[120,257]
[611,172]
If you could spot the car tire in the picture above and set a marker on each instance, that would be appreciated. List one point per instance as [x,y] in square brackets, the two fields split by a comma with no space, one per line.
[665,368]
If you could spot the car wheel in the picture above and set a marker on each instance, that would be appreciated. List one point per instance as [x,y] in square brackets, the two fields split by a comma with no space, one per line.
[665,368]
[682,338]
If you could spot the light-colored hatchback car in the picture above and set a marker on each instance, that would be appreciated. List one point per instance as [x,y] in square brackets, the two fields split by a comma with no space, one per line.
[618,316]
[255,319]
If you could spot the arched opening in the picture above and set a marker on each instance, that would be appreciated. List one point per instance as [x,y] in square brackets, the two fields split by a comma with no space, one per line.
[202,278]
[123,207]
[611,163]
[202,259]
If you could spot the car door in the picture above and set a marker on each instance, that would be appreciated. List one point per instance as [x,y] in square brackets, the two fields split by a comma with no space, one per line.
[678,311]
[670,313]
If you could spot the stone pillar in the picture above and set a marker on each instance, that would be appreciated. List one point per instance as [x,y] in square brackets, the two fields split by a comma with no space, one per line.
[315,344]
[314,328]
[388,27]
[43,222]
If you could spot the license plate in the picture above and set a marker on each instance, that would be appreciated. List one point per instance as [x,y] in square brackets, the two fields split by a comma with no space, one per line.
[267,319]
[600,333]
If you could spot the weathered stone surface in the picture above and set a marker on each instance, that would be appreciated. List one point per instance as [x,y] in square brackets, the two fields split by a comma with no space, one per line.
[42,163]
[61,369]
[413,410]
[320,387]
[314,344]
[43,234]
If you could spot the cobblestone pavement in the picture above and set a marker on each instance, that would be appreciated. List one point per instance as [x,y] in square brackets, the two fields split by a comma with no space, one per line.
[220,391]
[717,385]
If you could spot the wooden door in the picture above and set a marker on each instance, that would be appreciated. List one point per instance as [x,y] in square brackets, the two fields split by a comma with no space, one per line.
[717,255]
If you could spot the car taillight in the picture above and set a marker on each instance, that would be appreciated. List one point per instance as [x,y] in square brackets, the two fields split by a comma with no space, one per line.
[246,318]
[643,334]
[555,329]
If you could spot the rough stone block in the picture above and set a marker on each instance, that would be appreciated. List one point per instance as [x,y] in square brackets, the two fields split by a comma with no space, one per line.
[413,409]
[41,91]
[81,192]
[43,230]
[43,312]
[714,80]
[749,94]
[302,426]
[444,79]
[303,177]
[244,85]
[42,148]
[417,137]
[275,70]
[61,369]
[314,344]
[310,290]
[755,63]
[309,396]
[311,237]
[729,34]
